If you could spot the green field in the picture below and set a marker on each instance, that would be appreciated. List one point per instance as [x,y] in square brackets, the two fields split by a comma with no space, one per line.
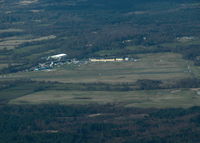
[153,98]
[162,66]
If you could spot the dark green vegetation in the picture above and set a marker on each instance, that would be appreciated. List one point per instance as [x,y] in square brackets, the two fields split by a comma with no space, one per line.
[99,124]
[100,102]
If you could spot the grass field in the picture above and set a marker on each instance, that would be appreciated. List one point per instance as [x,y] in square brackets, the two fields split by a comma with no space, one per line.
[161,66]
[152,98]
[3,66]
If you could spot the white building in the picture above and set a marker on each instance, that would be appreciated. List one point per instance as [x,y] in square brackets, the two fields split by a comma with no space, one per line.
[57,57]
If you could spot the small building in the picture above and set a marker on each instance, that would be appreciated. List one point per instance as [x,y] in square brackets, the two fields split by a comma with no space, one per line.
[126,59]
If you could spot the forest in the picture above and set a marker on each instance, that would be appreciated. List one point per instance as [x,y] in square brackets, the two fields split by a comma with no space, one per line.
[96,123]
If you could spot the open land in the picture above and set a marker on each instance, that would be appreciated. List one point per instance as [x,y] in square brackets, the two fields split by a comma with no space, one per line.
[161,66]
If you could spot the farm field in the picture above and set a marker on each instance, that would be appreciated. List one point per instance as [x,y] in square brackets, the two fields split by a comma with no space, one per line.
[159,66]
[144,99]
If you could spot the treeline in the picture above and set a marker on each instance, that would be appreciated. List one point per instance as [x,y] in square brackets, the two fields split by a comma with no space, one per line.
[97,123]
[143,84]
[192,53]
[147,84]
